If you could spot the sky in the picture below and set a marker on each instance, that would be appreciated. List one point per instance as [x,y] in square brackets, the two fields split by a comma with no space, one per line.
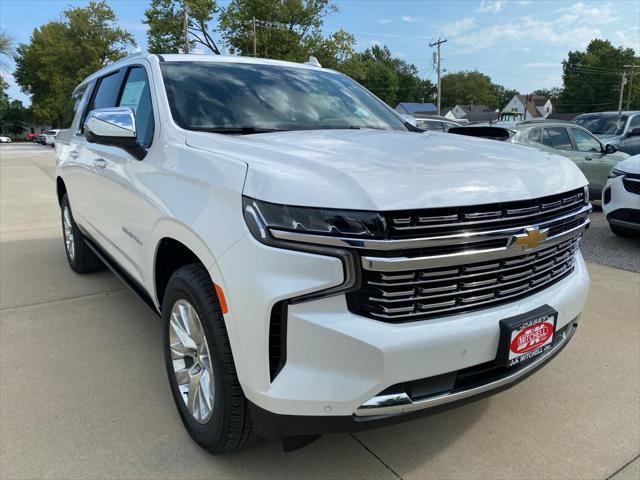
[518,43]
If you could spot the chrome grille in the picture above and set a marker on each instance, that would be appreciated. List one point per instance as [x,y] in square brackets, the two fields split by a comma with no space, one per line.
[443,221]
[426,293]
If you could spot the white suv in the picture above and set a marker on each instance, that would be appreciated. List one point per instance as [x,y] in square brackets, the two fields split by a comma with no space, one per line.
[318,266]
[621,198]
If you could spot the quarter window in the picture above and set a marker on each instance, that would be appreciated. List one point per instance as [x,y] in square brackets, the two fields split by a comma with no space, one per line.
[137,96]
[585,142]
[557,137]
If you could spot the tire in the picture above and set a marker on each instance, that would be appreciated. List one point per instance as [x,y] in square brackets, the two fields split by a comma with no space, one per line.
[221,425]
[80,257]
[623,232]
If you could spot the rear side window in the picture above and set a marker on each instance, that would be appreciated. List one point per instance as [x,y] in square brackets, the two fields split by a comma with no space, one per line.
[558,137]
[136,94]
[635,122]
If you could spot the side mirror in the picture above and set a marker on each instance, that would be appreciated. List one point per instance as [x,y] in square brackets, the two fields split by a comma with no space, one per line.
[115,127]
[634,132]
[609,149]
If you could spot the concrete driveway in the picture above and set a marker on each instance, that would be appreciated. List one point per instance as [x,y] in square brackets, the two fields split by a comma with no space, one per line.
[83,392]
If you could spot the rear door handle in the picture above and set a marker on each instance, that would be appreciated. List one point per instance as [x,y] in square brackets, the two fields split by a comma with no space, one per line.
[100,162]
[74,154]
[588,158]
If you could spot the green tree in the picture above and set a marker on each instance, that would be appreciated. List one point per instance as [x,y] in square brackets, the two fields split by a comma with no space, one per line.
[13,116]
[390,78]
[294,27]
[166,24]
[504,94]
[592,78]
[469,88]
[61,53]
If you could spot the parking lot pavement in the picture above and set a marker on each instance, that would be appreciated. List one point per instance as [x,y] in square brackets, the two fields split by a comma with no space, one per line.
[83,392]
[601,246]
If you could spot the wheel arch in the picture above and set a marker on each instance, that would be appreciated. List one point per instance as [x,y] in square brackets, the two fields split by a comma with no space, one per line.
[175,246]
[61,189]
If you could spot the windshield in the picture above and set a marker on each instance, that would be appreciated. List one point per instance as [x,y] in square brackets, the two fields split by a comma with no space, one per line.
[601,125]
[250,98]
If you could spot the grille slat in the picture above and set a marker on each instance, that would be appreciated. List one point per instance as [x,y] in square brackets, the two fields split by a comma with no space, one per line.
[631,185]
[471,219]
[455,292]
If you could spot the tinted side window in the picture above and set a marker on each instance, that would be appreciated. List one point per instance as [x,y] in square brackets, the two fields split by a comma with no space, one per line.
[106,94]
[77,100]
[585,142]
[136,94]
[535,135]
[559,138]
[635,122]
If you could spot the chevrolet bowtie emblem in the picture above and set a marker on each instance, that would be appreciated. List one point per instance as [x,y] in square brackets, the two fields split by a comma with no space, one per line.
[531,238]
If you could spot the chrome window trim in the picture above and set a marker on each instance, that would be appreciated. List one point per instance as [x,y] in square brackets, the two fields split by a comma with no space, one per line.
[423,242]
[400,403]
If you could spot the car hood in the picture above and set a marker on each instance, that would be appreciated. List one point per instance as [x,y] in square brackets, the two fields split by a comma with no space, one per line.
[390,170]
[630,165]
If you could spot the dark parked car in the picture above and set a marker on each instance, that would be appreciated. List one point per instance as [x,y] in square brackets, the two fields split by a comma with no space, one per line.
[621,129]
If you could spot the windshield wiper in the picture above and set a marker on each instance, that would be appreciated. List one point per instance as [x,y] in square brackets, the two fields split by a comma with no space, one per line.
[239,130]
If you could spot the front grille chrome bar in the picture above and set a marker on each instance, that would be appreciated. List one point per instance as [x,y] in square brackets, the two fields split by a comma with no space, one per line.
[400,264]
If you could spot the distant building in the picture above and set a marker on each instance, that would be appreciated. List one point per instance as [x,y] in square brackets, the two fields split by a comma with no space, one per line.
[418,110]
[471,113]
[537,106]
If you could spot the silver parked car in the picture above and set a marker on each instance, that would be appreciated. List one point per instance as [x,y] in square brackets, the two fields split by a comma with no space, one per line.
[561,138]
[621,129]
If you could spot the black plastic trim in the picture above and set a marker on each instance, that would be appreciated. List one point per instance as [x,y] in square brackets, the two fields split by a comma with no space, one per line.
[119,272]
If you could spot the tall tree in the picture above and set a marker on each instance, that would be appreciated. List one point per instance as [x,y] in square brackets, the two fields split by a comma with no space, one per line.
[166,24]
[13,116]
[390,78]
[592,78]
[61,53]
[286,30]
[471,87]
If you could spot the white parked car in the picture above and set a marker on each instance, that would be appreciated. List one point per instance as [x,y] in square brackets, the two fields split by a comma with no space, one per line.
[50,137]
[317,265]
[5,140]
[621,198]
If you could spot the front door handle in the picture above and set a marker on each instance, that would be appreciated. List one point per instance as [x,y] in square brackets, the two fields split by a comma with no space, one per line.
[588,158]
[74,154]
[100,162]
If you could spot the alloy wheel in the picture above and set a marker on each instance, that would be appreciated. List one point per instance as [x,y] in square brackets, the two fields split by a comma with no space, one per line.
[68,233]
[191,361]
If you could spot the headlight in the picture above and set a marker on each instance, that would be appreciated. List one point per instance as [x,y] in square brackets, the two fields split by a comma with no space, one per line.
[280,225]
[616,173]
[264,218]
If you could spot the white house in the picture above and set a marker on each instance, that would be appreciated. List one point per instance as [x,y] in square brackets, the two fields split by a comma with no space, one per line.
[537,106]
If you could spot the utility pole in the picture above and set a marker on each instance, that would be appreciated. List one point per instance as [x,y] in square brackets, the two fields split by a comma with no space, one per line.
[633,67]
[187,45]
[622,83]
[438,62]
[255,48]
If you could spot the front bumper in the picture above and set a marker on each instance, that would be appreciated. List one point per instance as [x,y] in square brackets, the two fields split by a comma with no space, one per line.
[388,410]
[337,361]
[620,206]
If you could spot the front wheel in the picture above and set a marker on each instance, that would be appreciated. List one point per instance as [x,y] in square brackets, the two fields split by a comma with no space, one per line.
[200,364]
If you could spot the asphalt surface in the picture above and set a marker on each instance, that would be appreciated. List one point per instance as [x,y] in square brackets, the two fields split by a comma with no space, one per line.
[83,391]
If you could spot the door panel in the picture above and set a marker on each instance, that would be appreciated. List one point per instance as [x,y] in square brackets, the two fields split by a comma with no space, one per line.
[595,163]
[127,215]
